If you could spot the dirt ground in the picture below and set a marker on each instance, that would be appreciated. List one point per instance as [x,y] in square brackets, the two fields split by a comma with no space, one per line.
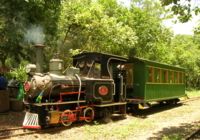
[168,122]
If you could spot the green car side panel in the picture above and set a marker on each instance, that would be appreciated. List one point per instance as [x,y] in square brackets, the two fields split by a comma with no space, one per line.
[163,91]
[142,89]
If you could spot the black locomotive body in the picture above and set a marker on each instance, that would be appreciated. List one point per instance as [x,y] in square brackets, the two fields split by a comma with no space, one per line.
[93,87]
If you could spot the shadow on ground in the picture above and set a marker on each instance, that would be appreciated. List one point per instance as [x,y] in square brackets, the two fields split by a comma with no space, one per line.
[11,119]
[153,110]
[177,132]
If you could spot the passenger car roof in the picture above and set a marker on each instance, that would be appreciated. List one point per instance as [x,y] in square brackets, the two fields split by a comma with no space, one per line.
[154,63]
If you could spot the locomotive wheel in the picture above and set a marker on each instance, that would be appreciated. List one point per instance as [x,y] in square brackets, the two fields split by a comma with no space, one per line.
[66,117]
[162,103]
[88,114]
[172,101]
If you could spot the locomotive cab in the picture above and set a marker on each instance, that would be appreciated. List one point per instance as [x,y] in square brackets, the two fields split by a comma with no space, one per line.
[104,76]
[105,80]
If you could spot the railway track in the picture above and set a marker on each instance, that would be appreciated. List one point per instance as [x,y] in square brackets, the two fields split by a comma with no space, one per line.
[10,129]
[194,136]
[20,131]
[14,132]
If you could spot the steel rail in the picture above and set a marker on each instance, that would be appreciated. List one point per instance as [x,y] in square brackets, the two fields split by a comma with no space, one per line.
[4,133]
[194,135]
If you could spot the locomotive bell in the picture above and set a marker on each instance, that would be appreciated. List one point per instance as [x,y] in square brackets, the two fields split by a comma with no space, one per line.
[56,66]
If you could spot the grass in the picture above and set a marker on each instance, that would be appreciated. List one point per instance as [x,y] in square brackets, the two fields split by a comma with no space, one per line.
[193,93]
[125,129]
[116,131]
[172,137]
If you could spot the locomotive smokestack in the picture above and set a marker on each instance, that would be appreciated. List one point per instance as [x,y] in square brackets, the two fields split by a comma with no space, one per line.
[39,57]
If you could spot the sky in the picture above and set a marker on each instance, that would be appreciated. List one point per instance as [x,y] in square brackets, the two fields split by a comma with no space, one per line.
[126,3]
[182,28]
[185,28]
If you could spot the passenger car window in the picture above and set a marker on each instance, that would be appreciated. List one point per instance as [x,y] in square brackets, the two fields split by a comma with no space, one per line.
[150,74]
[165,76]
[171,76]
[157,75]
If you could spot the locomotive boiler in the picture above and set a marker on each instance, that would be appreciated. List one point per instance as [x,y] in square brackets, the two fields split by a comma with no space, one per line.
[49,85]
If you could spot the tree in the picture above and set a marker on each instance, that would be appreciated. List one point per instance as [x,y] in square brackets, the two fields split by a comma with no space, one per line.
[88,25]
[107,26]
[185,53]
[17,16]
[153,37]
[184,9]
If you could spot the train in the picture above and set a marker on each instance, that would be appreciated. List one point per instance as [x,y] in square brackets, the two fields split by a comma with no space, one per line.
[97,85]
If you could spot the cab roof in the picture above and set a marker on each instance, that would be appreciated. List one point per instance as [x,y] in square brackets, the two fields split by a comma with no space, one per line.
[106,60]
[99,57]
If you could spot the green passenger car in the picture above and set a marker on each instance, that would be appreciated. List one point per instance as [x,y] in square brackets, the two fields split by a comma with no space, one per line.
[149,81]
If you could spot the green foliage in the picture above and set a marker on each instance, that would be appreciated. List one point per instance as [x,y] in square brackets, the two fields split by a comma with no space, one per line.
[95,26]
[17,16]
[90,26]
[102,25]
[186,54]
[69,27]
[19,73]
[183,9]
[153,38]
[172,137]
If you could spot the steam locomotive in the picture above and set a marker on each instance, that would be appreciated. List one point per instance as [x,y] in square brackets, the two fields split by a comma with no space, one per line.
[98,85]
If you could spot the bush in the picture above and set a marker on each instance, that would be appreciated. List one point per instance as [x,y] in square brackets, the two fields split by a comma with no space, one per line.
[19,73]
